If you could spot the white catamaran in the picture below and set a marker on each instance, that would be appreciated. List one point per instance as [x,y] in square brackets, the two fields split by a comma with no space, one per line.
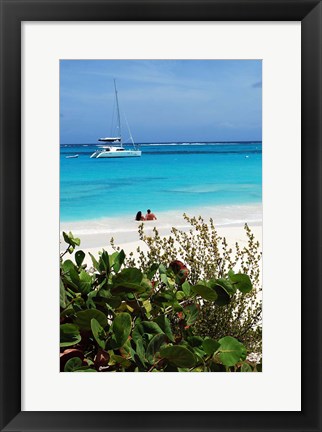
[116,149]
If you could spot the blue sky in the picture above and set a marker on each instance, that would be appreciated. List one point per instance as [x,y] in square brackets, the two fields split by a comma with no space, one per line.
[163,100]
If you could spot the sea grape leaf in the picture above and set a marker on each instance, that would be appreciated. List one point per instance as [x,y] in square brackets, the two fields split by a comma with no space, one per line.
[140,351]
[241,281]
[226,285]
[70,239]
[152,270]
[164,278]
[111,258]
[151,327]
[127,287]
[180,295]
[89,302]
[66,238]
[223,297]
[79,257]
[165,326]
[76,241]
[191,312]
[129,280]
[83,318]
[119,360]
[113,302]
[73,364]
[231,351]
[162,269]
[154,346]
[118,260]
[104,262]
[146,283]
[69,335]
[231,273]
[210,345]
[195,341]
[138,332]
[98,333]
[70,271]
[177,307]
[205,292]
[245,367]
[95,262]
[147,306]
[186,288]
[85,284]
[178,355]
[217,367]
[121,329]
[127,347]
[171,368]
[68,311]
[199,352]
[166,296]
[128,275]
[62,295]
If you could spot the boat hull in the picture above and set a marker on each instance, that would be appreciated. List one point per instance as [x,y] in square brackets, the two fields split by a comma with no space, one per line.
[113,155]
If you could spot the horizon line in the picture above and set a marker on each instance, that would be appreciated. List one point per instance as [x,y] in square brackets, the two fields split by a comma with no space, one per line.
[177,142]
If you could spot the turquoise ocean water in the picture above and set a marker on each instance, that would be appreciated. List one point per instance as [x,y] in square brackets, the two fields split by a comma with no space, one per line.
[172,176]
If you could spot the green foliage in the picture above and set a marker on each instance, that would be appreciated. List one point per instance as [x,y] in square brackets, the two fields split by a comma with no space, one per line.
[71,241]
[98,333]
[233,274]
[125,316]
[210,346]
[69,335]
[231,351]
[84,318]
[241,281]
[121,329]
[179,356]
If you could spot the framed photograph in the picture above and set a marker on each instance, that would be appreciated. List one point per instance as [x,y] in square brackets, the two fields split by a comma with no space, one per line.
[121,124]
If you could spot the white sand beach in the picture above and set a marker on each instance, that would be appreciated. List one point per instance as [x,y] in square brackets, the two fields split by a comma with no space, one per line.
[229,221]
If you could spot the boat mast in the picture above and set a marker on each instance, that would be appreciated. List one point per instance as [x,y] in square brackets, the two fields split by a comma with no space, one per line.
[118,113]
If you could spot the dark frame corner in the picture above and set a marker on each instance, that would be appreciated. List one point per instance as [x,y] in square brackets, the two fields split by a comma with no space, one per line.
[12,13]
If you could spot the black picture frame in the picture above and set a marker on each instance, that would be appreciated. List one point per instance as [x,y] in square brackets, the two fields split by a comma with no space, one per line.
[13,13]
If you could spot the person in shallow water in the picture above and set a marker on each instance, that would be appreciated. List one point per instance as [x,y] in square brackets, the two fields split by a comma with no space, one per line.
[150,216]
[139,216]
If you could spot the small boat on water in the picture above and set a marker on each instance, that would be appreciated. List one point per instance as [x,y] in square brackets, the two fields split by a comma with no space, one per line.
[72,156]
[115,148]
